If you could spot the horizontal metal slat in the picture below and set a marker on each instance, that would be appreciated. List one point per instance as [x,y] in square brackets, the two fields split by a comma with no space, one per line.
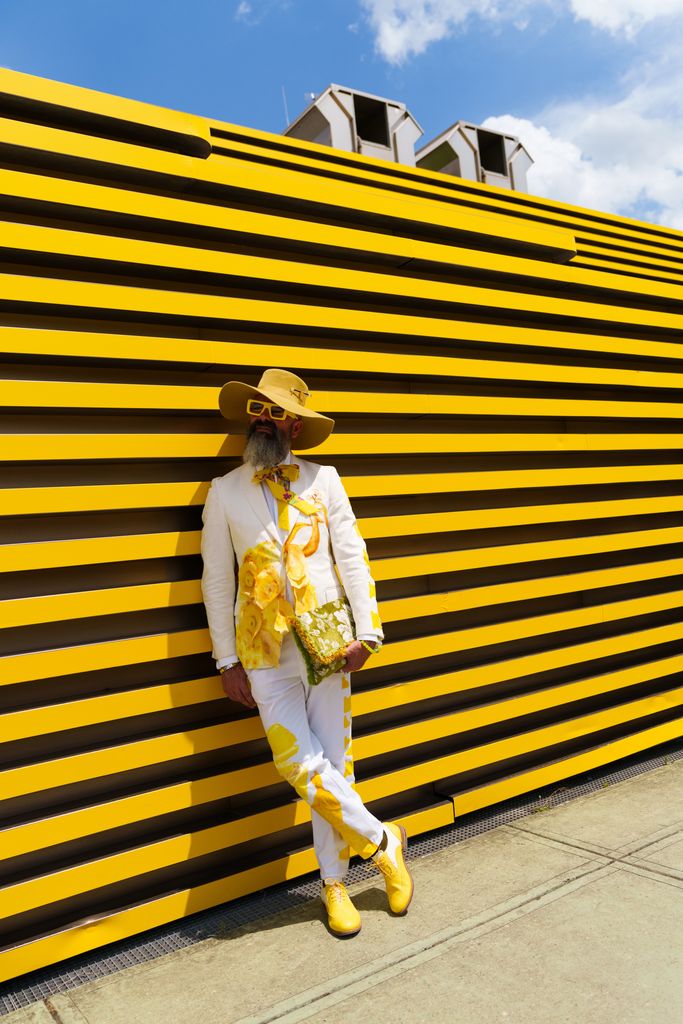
[108,707]
[65,394]
[33,893]
[119,249]
[250,269]
[46,949]
[135,347]
[84,821]
[287,184]
[99,109]
[21,501]
[489,199]
[555,771]
[50,554]
[19,781]
[116,600]
[101,447]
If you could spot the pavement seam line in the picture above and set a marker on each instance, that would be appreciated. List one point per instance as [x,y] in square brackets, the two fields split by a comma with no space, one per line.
[670,832]
[618,859]
[659,876]
[319,997]
[563,841]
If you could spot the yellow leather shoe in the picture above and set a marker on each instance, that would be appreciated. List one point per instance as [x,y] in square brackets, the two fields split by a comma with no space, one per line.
[342,917]
[391,862]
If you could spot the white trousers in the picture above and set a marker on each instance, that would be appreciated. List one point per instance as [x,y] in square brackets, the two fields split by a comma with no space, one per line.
[309,732]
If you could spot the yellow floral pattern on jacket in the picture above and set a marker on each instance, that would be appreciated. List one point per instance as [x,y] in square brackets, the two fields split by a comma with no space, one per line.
[262,612]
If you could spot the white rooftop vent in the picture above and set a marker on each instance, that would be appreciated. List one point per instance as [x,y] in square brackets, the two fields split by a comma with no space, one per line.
[359,123]
[478,154]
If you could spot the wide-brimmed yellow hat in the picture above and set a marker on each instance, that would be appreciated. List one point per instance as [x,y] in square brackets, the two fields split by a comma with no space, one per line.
[282,388]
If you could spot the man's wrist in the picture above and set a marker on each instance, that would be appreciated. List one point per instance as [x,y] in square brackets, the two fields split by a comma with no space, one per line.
[226,663]
[371,644]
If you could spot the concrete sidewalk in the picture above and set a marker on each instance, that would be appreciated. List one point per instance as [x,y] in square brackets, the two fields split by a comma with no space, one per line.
[568,915]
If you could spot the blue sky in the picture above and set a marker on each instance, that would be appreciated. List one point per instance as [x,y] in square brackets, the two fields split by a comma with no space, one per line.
[593,87]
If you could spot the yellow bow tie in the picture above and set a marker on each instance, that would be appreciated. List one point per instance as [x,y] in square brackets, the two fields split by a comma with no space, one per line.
[279,480]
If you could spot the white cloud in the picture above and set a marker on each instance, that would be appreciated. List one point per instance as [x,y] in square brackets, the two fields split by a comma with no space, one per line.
[626,157]
[405,28]
[627,16]
[243,12]
[623,155]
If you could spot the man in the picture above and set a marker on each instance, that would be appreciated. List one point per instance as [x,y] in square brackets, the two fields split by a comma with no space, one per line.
[292,531]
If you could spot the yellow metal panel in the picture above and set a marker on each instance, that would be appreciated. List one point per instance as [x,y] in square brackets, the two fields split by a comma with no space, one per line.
[78,447]
[89,344]
[395,359]
[502,593]
[513,746]
[535,778]
[44,240]
[90,819]
[109,156]
[41,500]
[64,394]
[288,184]
[485,197]
[103,105]
[111,601]
[79,938]
[65,771]
[78,714]
[82,937]
[94,764]
[22,668]
[50,554]
[15,288]
[110,654]
[108,870]
[487,518]
[509,669]
[488,714]
[109,707]
[500,632]
[23,896]
[114,600]
[95,550]
[20,501]
[510,554]
[59,191]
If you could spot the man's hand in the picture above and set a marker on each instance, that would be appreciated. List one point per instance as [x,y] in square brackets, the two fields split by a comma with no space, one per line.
[236,685]
[356,656]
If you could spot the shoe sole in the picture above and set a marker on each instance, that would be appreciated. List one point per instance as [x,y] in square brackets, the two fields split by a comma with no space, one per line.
[404,848]
[342,935]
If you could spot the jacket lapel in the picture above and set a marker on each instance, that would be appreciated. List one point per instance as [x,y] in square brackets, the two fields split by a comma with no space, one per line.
[258,504]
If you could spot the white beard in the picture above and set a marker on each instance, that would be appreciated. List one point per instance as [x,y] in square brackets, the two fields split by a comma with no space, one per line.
[263,451]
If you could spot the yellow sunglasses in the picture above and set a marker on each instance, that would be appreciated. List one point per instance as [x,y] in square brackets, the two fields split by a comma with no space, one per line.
[255,408]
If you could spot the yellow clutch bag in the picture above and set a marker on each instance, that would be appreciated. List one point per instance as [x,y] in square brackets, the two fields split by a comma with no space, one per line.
[322,635]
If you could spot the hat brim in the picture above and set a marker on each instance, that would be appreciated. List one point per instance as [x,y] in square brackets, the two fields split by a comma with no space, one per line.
[232,403]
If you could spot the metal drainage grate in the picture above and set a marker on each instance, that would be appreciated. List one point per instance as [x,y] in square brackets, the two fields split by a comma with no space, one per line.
[31,988]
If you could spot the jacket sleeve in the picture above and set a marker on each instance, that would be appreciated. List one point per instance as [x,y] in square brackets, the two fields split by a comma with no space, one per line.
[218,577]
[351,557]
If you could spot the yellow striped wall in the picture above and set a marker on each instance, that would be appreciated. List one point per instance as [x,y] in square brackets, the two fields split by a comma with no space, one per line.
[506,375]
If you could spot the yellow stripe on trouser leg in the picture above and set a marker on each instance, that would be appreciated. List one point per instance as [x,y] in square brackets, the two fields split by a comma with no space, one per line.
[310,741]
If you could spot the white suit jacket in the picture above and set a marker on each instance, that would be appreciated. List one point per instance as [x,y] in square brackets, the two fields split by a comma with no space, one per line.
[237,519]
